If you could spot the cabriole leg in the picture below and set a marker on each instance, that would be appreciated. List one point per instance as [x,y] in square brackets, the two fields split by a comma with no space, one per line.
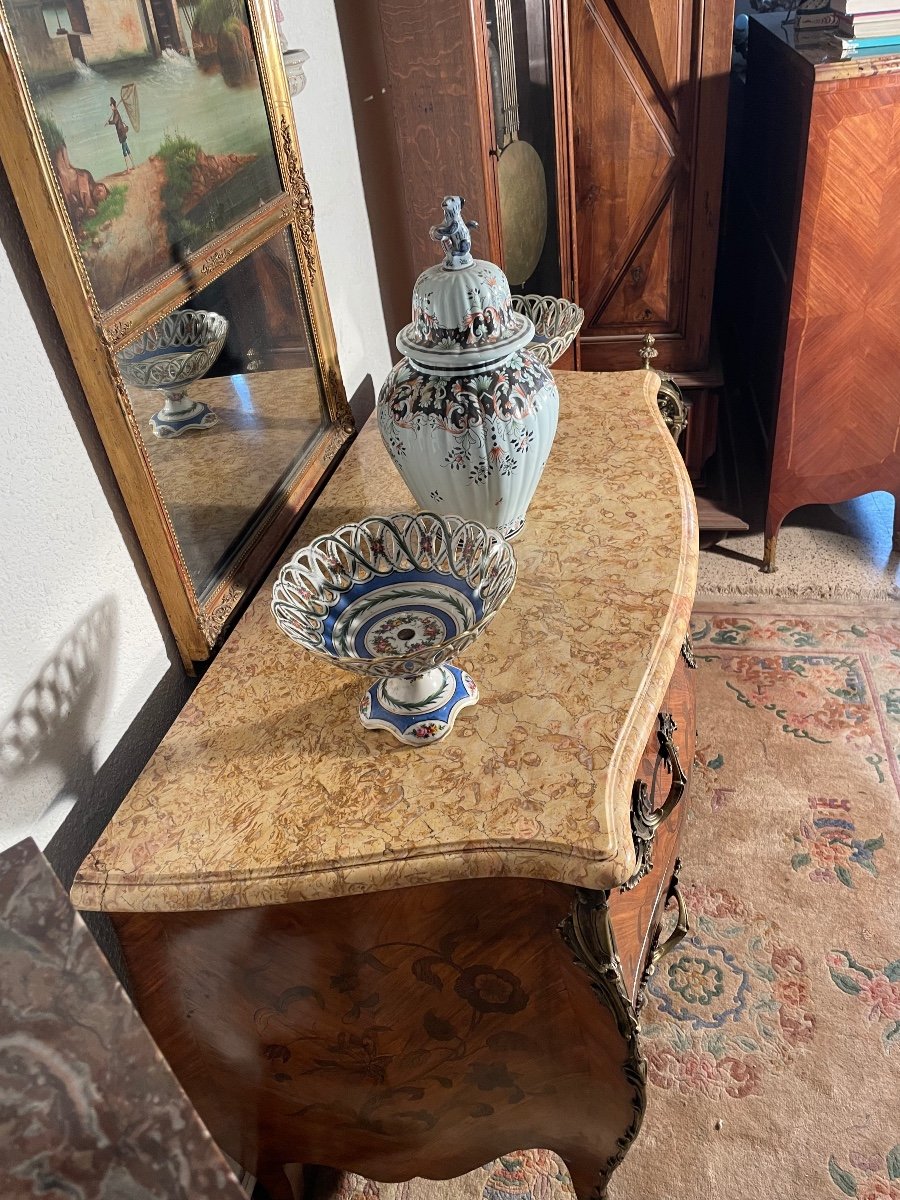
[588,933]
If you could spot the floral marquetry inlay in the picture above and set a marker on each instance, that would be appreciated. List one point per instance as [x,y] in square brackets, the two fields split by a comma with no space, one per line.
[267,790]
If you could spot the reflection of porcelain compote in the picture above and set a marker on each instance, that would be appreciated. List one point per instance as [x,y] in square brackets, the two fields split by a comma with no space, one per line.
[177,350]
[395,598]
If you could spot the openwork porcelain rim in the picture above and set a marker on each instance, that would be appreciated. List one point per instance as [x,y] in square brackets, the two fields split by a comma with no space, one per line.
[183,346]
[555,319]
[388,548]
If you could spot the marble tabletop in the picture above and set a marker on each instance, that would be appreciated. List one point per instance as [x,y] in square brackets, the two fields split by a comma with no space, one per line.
[88,1105]
[268,790]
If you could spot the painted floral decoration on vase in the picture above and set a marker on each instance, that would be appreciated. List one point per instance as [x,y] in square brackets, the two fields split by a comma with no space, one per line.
[469,414]
[396,598]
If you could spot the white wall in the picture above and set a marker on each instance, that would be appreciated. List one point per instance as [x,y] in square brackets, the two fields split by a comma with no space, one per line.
[67,567]
[64,559]
[330,159]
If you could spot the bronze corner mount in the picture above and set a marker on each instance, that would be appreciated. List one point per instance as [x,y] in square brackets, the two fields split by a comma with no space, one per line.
[687,652]
[659,950]
[587,932]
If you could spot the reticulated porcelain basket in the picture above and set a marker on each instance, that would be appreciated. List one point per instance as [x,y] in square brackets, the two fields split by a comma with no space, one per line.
[169,356]
[556,324]
[396,598]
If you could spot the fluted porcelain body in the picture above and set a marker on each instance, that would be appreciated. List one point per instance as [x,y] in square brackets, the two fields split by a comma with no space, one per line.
[472,444]
[469,413]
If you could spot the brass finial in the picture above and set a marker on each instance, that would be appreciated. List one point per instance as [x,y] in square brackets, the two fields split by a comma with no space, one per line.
[648,351]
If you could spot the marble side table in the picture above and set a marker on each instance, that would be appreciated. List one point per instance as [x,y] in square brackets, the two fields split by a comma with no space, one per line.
[406,962]
[88,1106]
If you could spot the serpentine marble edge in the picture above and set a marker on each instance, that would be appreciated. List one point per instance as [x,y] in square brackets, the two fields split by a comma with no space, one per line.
[267,790]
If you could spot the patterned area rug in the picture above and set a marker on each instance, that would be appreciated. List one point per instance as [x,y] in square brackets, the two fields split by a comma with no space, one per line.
[773,1032]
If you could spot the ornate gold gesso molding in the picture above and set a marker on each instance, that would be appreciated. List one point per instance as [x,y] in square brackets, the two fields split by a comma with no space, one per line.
[214,261]
[304,216]
[116,332]
[212,621]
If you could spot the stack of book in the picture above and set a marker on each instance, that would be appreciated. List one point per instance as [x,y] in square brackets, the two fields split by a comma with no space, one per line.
[871,26]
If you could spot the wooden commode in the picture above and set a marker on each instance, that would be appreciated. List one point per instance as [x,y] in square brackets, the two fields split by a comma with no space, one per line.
[406,962]
[815,270]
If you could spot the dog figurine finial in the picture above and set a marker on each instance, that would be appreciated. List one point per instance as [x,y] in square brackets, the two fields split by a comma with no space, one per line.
[454,234]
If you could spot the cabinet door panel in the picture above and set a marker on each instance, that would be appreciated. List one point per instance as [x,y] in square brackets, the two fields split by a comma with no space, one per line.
[840,408]
[649,90]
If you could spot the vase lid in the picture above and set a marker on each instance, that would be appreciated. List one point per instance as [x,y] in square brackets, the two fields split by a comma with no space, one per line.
[462,314]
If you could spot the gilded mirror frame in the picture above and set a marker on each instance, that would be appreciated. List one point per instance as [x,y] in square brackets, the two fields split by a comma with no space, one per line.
[94,335]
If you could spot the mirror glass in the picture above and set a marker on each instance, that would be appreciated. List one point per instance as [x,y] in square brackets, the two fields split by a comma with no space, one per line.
[228,401]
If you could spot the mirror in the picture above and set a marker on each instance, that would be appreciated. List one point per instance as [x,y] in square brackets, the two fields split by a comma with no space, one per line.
[154,159]
[251,405]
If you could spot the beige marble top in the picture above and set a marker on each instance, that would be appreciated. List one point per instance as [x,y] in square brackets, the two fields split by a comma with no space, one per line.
[267,789]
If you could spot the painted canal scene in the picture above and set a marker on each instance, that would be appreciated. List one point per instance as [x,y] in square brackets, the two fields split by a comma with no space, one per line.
[153,116]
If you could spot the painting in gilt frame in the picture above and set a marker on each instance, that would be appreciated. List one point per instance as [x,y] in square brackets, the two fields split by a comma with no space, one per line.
[151,147]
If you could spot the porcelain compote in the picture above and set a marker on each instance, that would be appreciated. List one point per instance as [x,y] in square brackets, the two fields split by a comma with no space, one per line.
[173,353]
[396,598]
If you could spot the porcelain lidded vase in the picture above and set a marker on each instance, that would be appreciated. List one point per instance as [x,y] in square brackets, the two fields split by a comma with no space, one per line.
[469,414]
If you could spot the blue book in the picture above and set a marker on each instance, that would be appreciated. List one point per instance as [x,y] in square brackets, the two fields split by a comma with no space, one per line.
[879,43]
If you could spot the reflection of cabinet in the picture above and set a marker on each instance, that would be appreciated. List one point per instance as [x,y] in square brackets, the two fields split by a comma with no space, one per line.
[624,101]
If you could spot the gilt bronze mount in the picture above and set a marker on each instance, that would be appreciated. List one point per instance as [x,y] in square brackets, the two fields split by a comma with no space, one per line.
[645,816]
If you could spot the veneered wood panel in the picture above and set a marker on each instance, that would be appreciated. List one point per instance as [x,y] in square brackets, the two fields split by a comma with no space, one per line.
[642,298]
[437,81]
[421,1031]
[838,425]
[649,95]
[626,152]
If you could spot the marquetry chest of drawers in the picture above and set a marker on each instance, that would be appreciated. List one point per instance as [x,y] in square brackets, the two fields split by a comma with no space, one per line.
[408,962]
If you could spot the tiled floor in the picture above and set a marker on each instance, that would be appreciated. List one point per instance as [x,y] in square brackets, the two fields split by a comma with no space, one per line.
[841,552]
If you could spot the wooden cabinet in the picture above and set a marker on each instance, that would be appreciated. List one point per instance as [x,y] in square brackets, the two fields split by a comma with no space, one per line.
[423,77]
[625,104]
[815,270]
[649,91]
[408,963]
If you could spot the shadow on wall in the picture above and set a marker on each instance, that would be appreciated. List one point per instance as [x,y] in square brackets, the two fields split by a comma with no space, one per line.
[49,740]
[49,746]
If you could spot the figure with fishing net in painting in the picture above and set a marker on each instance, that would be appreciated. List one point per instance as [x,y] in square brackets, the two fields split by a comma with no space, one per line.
[129,100]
